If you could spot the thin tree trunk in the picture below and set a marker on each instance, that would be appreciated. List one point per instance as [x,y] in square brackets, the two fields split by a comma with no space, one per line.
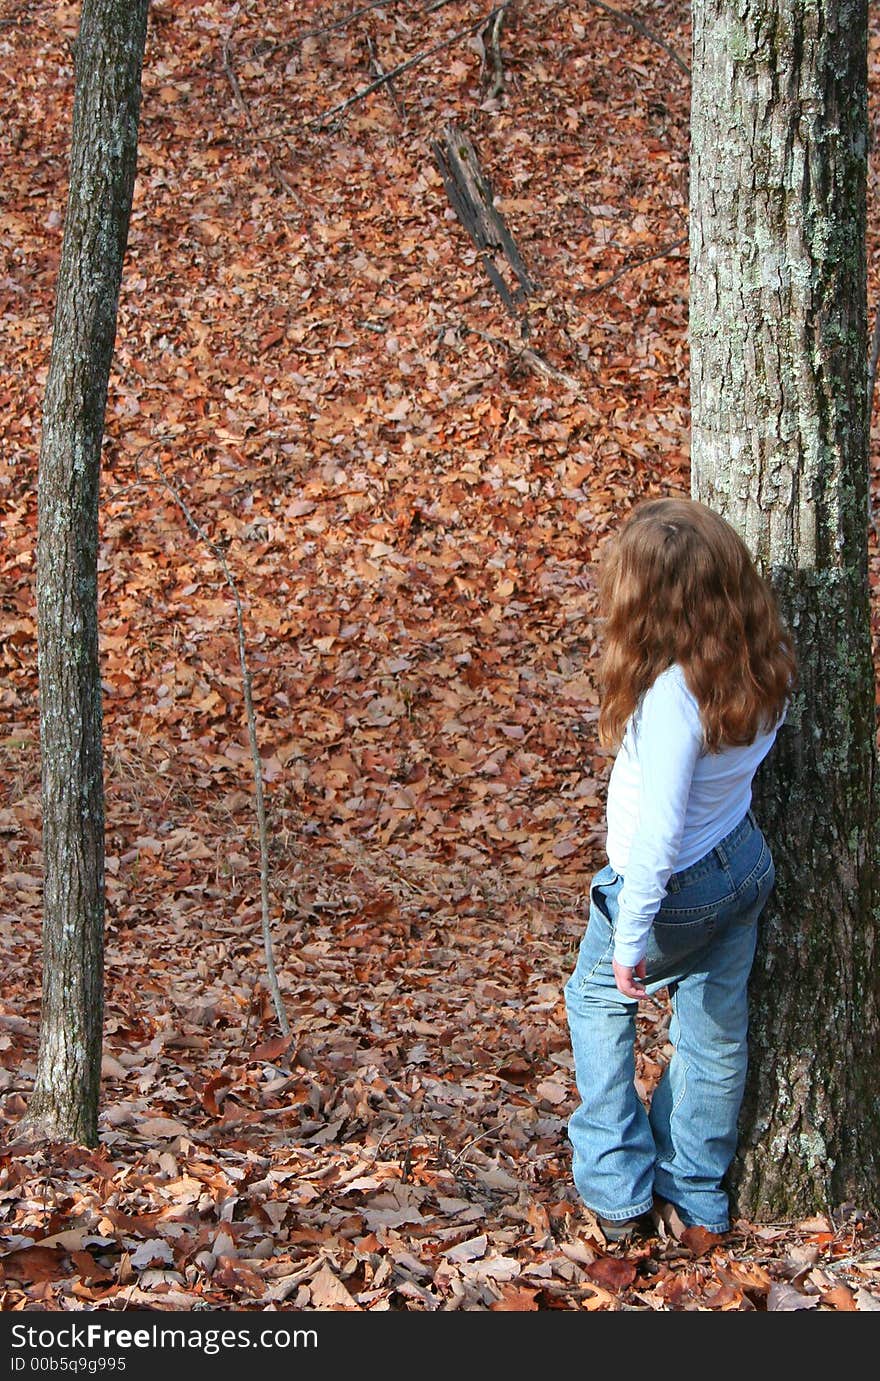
[778,336]
[109,56]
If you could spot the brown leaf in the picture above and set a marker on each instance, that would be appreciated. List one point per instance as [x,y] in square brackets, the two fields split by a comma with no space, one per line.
[840,1297]
[516,1071]
[33,1264]
[750,1277]
[271,1049]
[611,1272]
[699,1240]
[784,1298]
[160,1127]
[726,1297]
[89,1269]
[328,1291]
[518,1300]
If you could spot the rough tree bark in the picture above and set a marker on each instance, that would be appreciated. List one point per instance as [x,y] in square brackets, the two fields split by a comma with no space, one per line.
[778,336]
[109,56]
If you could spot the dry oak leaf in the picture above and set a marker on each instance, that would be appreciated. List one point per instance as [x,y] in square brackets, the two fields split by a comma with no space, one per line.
[328,1292]
[30,1265]
[866,1301]
[491,1267]
[89,1269]
[516,1301]
[271,1049]
[785,1298]
[156,1251]
[832,1291]
[700,1240]
[471,1250]
[611,1272]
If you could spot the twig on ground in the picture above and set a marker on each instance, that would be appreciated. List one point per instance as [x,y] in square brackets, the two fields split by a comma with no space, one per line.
[491,37]
[330,28]
[379,71]
[229,69]
[469,1145]
[320,120]
[637,263]
[21,15]
[642,28]
[255,752]
[531,358]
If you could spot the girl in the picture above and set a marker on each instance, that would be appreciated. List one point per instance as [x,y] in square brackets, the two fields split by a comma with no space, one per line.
[695,674]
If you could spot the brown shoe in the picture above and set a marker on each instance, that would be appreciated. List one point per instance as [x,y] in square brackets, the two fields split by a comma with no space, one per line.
[624,1228]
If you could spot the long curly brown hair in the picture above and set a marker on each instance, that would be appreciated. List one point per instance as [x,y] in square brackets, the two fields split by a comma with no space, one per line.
[679,585]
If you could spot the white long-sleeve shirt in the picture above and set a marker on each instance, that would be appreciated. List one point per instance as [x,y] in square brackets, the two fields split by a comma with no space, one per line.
[669,802]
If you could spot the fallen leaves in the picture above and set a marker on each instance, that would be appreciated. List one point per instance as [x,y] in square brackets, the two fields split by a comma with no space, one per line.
[412,512]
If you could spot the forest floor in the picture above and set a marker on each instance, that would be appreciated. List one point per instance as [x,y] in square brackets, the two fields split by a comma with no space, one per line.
[409,483]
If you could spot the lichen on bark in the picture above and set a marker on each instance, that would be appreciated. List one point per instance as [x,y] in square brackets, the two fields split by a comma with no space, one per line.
[109,56]
[778,341]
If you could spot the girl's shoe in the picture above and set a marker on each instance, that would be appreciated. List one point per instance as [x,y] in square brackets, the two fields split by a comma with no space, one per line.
[622,1229]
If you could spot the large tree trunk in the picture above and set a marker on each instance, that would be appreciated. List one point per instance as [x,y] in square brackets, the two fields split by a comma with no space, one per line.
[778,337]
[109,56]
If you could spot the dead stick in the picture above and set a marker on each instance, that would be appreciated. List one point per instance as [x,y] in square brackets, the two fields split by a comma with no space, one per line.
[530,358]
[492,33]
[642,29]
[242,104]
[330,28]
[234,83]
[255,752]
[379,71]
[636,263]
[481,23]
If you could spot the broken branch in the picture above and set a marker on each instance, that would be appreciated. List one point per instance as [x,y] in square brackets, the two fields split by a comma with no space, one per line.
[636,263]
[212,546]
[320,120]
[642,29]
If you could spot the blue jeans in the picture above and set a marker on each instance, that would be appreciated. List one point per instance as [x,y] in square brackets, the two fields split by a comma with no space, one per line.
[701,948]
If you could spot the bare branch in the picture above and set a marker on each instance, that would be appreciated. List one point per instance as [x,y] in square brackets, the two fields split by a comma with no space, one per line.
[321,120]
[379,71]
[255,752]
[330,28]
[642,29]
[229,69]
[491,37]
[637,263]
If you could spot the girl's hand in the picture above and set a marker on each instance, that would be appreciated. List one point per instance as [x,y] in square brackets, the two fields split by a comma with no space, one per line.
[626,979]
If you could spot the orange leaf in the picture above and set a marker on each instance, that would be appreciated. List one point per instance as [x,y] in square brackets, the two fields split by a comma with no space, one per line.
[841,1297]
[700,1240]
[516,1301]
[31,1264]
[271,1049]
[611,1272]
[88,1267]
